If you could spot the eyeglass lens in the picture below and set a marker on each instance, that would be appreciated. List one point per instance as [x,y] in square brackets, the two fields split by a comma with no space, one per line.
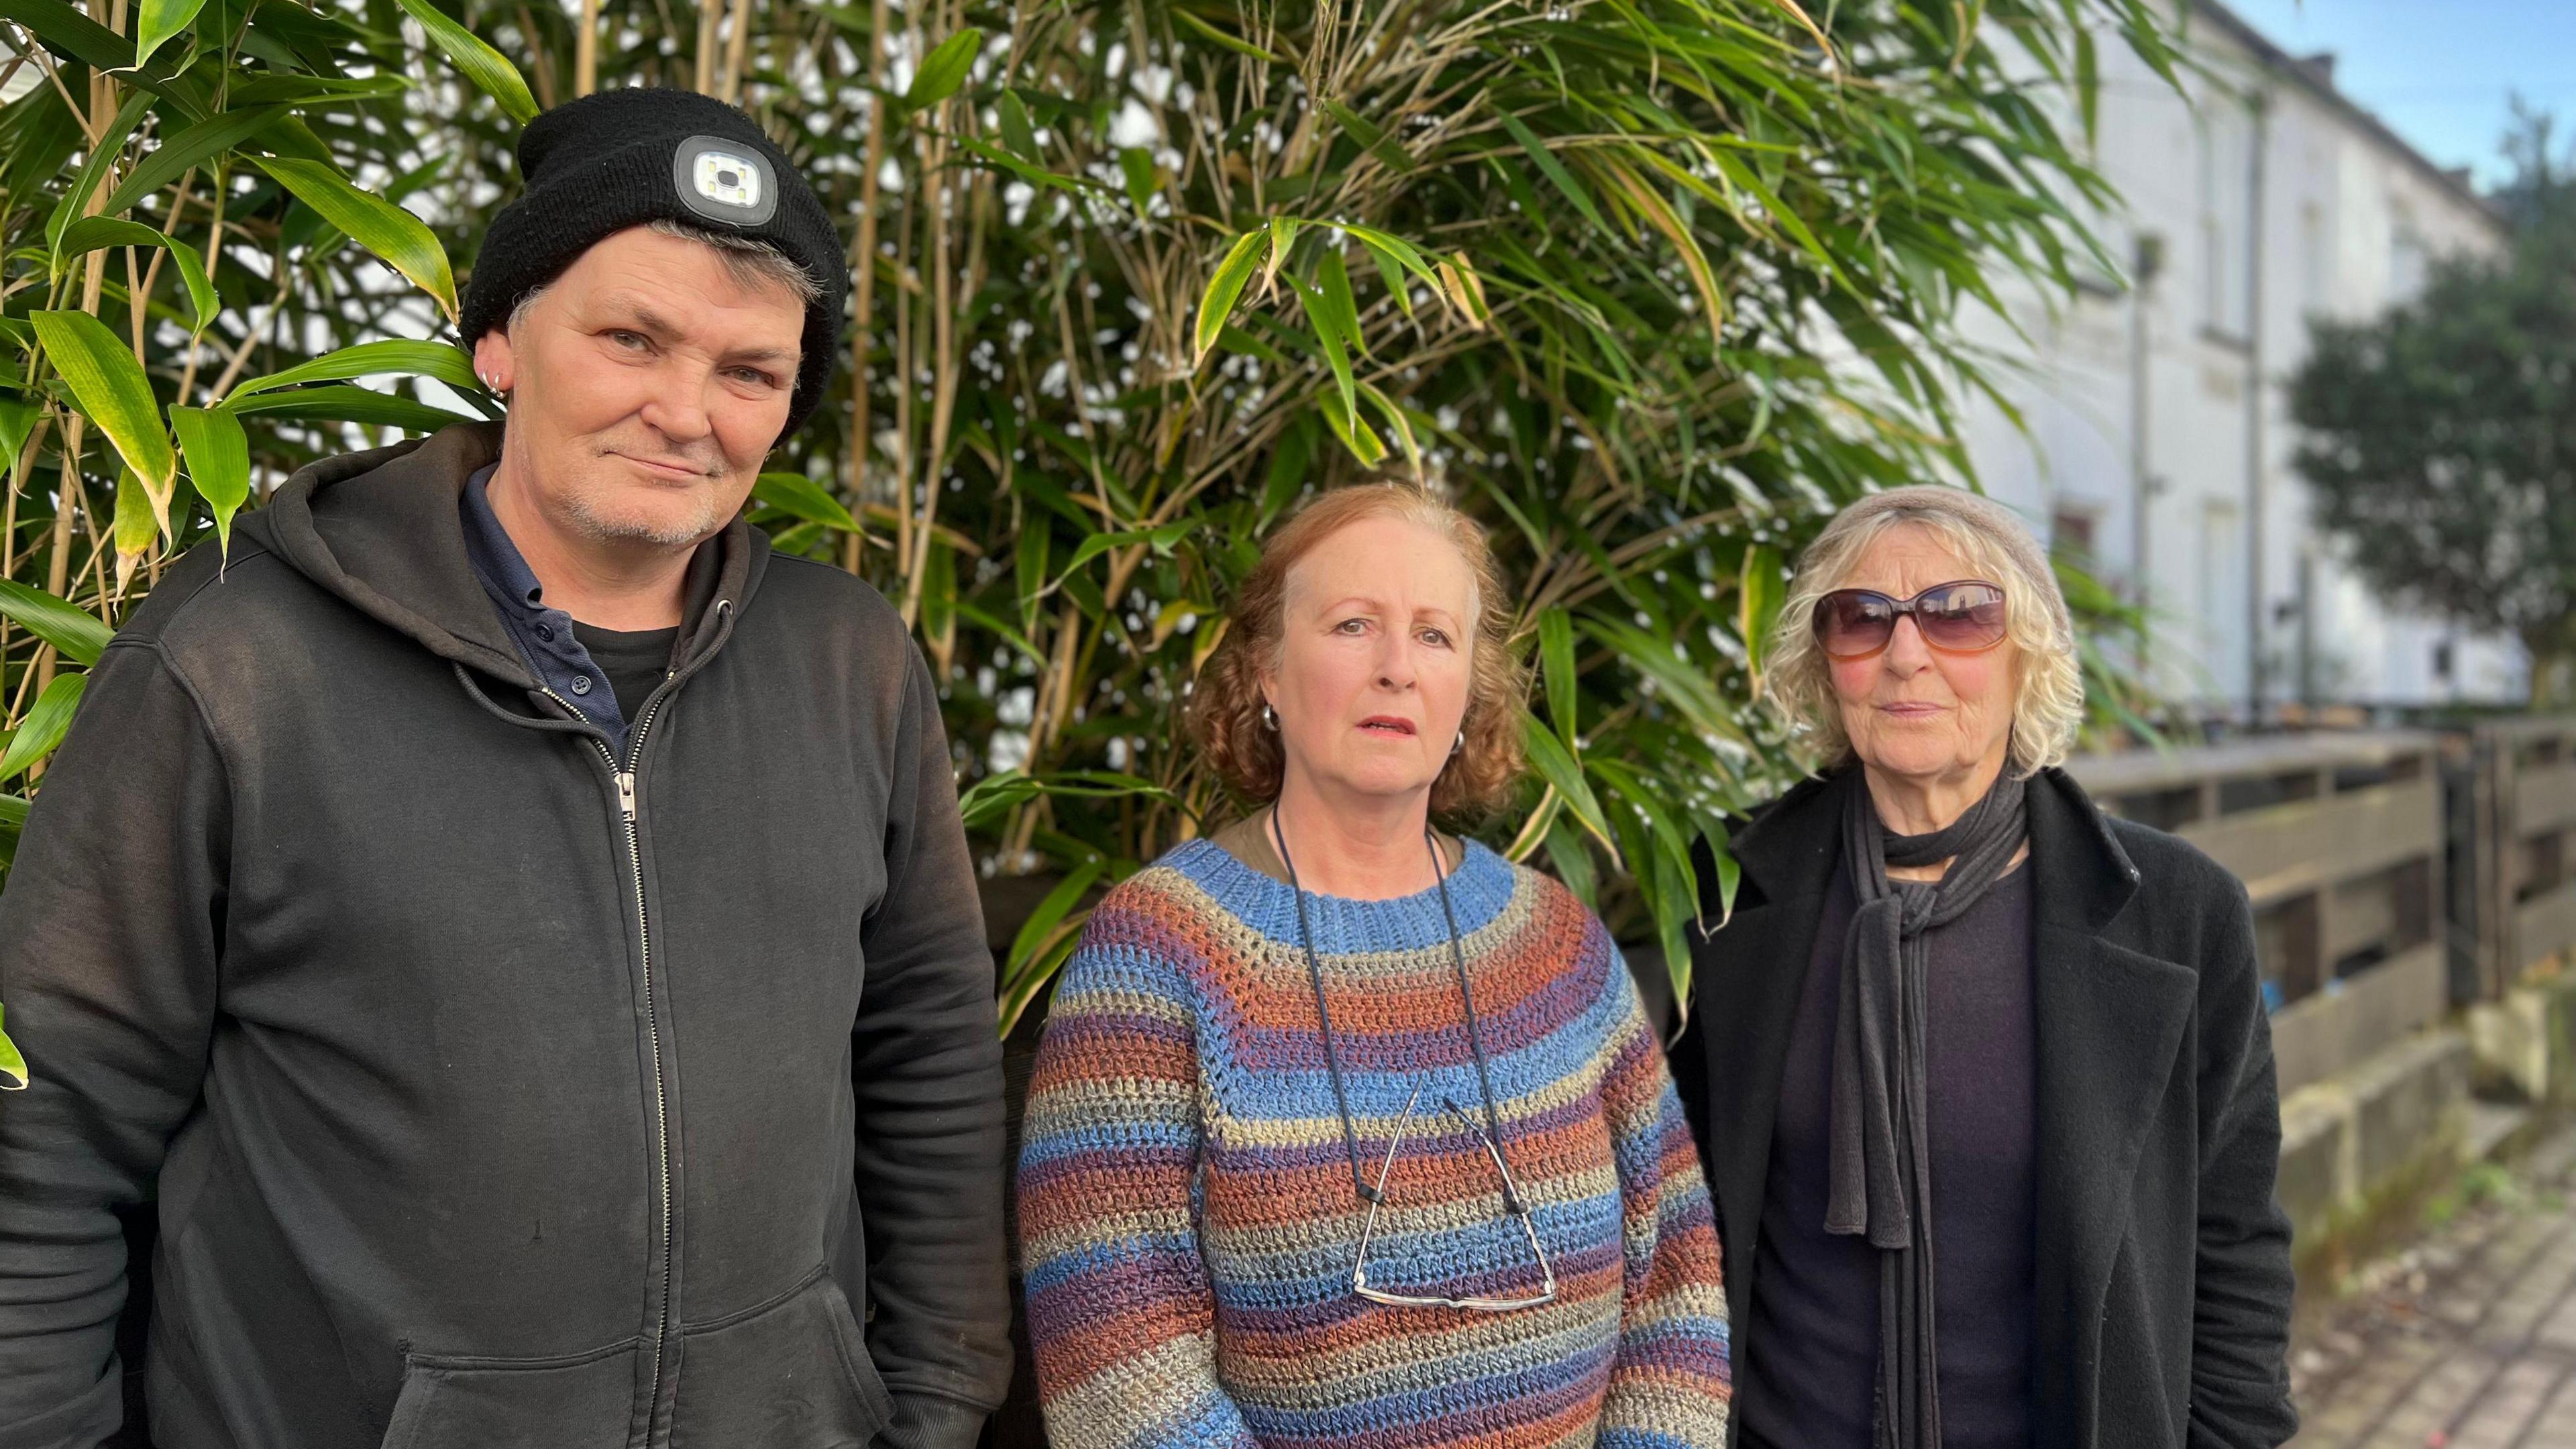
[1960,617]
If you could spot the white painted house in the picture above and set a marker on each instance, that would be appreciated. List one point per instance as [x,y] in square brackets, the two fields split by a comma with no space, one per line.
[2159,438]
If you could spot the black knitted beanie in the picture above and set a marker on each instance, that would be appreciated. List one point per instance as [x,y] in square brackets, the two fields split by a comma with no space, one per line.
[622,158]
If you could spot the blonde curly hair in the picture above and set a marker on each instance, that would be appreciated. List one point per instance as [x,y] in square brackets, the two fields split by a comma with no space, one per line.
[1225,703]
[1989,538]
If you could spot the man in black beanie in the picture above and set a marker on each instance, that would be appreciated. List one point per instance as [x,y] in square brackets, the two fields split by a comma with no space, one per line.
[512,929]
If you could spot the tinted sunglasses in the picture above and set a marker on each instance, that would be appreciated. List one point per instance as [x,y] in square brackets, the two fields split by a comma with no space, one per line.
[1964,617]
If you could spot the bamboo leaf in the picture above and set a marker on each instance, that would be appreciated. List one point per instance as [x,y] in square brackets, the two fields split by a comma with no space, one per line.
[480,63]
[393,234]
[1035,175]
[944,70]
[13,1064]
[1328,337]
[2088,84]
[1333,285]
[17,419]
[76,634]
[339,403]
[102,157]
[802,496]
[1136,166]
[1398,424]
[1235,43]
[45,725]
[218,454]
[1758,595]
[158,20]
[1017,132]
[1554,170]
[109,386]
[1642,196]
[191,147]
[139,519]
[1556,765]
[394,357]
[1356,435]
[1066,895]
[1464,290]
[93,232]
[1283,236]
[1556,669]
[1224,286]
[1573,860]
[68,32]
[1376,142]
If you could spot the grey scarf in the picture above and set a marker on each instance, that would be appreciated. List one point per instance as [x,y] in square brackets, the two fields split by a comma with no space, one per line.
[1881,1171]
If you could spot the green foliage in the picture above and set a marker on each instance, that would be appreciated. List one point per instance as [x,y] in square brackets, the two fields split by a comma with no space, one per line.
[1649,288]
[2439,438]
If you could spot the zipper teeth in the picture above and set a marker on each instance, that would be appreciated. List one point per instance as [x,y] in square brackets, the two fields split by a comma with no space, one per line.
[652,1010]
[644,940]
[652,1028]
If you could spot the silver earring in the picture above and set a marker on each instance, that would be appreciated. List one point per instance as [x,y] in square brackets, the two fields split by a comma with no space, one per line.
[1269,718]
[1460,743]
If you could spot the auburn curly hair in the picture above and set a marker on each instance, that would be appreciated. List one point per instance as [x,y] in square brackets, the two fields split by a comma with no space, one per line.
[1225,703]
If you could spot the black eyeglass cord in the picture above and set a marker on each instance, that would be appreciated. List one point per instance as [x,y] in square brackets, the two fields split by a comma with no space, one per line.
[1324,1014]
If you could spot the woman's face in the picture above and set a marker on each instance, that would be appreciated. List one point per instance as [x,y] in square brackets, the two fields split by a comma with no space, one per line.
[1913,711]
[1378,621]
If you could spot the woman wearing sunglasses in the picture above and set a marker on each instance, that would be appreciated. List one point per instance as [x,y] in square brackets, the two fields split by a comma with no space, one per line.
[1981,1075]
[1344,1130]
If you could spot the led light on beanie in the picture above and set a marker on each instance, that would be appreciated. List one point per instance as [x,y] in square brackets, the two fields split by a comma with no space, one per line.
[723,183]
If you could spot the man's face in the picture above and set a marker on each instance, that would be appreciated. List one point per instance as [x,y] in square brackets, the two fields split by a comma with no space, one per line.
[646,385]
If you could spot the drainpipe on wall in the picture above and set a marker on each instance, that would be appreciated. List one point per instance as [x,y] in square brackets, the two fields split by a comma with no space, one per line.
[2256,493]
[2147,260]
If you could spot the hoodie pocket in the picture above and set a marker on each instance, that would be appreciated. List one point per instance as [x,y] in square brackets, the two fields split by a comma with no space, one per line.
[582,1401]
[791,1373]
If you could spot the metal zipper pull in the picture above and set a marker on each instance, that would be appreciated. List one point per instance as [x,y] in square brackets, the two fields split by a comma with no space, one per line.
[626,795]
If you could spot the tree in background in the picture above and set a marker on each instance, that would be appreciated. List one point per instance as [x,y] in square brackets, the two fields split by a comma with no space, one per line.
[2440,437]
[1650,287]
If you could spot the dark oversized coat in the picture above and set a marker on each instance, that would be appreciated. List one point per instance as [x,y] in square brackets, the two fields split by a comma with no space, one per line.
[2163,1283]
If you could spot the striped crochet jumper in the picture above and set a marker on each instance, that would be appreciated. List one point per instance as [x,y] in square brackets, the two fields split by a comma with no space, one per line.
[1188,1221]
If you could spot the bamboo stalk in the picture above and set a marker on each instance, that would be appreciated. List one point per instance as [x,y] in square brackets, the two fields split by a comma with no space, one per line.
[540,65]
[585,55]
[703,70]
[865,276]
[214,259]
[735,46]
[944,363]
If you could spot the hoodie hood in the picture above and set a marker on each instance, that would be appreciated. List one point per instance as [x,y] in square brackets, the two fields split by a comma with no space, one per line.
[381,531]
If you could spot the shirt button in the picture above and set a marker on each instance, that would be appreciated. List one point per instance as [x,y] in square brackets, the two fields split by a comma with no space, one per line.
[546,632]
[581,684]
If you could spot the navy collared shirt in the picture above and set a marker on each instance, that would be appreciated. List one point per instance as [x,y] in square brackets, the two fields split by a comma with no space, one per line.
[544,636]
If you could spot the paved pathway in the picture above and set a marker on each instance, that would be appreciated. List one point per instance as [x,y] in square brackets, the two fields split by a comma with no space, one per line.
[2467,1340]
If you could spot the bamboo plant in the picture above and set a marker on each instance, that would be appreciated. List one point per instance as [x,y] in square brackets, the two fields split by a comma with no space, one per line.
[1647,286]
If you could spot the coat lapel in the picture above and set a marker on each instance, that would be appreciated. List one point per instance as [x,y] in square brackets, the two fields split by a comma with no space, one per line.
[2110,1024]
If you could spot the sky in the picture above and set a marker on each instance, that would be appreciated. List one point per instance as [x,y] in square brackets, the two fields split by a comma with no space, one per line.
[2439,72]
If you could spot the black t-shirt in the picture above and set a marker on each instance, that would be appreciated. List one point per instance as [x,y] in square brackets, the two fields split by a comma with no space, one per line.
[1807,1363]
[635,663]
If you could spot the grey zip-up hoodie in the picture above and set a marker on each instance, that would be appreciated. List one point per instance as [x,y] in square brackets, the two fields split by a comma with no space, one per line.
[498,1092]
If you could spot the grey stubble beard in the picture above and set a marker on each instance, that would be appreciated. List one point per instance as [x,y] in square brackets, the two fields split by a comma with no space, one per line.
[603,528]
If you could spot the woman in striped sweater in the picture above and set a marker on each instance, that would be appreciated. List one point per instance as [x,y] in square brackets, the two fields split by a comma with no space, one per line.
[1345,1131]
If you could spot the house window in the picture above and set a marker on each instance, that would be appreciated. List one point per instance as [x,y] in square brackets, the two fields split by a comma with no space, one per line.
[2070,531]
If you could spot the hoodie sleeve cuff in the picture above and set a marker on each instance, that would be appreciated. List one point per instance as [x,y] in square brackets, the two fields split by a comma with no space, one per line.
[927,1421]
